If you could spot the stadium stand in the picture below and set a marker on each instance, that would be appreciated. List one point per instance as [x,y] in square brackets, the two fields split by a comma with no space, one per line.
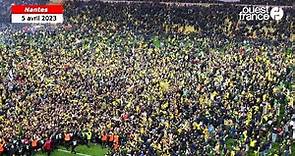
[251,2]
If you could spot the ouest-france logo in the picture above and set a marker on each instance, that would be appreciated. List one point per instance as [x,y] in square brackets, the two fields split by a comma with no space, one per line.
[261,13]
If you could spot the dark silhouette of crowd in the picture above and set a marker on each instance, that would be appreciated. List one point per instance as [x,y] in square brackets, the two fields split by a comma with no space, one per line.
[149,79]
[268,2]
[251,2]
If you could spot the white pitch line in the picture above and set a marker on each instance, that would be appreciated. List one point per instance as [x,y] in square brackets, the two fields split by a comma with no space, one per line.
[76,153]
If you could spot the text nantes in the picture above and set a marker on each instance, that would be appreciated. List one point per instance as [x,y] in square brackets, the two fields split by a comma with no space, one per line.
[35,9]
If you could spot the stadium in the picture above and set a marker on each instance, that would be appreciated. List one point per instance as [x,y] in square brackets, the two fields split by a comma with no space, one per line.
[148,78]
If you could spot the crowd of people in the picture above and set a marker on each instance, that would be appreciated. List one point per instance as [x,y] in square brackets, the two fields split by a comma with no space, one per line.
[149,79]
[268,2]
[249,2]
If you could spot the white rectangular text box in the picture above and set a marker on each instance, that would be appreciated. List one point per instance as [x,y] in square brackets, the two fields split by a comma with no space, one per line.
[37,18]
